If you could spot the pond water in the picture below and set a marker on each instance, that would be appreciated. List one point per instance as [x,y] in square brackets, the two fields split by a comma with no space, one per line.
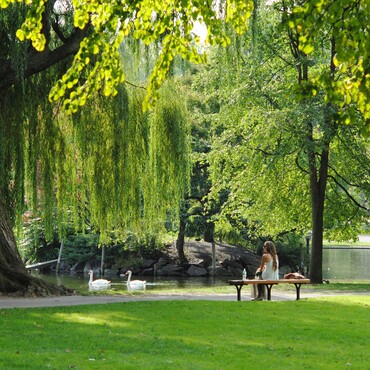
[79,282]
[346,262]
[349,263]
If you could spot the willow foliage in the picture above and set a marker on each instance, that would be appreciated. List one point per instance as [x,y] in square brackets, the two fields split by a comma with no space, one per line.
[127,168]
[110,166]
[169,22]
[169,160]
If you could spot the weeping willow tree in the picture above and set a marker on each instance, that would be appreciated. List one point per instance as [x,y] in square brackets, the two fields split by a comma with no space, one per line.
[129,168]
[109,163]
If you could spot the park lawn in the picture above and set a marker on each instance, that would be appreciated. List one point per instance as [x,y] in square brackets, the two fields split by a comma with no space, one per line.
[320,333]
[336,286]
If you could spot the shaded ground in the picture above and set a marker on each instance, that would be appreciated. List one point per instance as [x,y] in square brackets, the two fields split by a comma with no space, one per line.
[7,302]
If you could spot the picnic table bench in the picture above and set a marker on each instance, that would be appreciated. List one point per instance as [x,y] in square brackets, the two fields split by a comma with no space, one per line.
[268,284]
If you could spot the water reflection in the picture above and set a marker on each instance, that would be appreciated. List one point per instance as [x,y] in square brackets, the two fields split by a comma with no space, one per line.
[346,263]
[79,282]
[338,263]
[136,288]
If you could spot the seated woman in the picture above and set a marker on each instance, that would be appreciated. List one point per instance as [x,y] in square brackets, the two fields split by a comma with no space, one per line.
[269,268]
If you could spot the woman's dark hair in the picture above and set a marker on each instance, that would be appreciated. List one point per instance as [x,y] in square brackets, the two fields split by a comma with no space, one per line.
[270,247]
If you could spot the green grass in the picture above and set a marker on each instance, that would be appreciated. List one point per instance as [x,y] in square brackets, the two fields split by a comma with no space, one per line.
[334,286]
[325,333]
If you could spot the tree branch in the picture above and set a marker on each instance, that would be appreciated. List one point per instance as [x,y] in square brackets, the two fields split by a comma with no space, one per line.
[39,61]
[347,193]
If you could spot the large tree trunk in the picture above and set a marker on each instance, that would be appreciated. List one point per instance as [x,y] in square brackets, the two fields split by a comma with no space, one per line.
[318,181]
[14,278]
[317,236]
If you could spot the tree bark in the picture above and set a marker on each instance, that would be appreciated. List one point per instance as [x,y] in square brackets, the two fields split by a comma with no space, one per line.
[39,61]
[14,278]
[318,164]
[180,242]
[318,182]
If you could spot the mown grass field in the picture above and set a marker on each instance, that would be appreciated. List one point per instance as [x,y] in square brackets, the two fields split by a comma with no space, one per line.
[314,333]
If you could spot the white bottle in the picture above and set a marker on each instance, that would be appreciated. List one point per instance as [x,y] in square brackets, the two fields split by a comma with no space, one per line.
[244,274]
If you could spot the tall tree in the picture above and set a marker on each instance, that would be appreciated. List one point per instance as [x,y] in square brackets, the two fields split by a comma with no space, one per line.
[123,165]
[93,32]
[97,64]
[18,61]
[277,150]
[329,81]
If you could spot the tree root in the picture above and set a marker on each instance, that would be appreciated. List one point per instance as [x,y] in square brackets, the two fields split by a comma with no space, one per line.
[30,286]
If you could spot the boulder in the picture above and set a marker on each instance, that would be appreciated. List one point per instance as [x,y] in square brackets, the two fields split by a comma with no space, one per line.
[237,272]
[219,271]
[161,262]
[171,270]
[250,258]
[196,271]
[232,263]
[251,270]
[148,272]
[147,263]
[199,263]
[77,267]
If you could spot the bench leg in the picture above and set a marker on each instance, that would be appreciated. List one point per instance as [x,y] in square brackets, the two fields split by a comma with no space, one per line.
[298,290]
[269,287]
[238,289]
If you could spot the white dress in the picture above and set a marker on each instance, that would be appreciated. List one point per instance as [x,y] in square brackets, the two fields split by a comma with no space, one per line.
[269,273]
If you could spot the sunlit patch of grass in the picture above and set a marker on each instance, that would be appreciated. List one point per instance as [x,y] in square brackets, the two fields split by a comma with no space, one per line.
[343,286]
[319,333]
[350,300]
[94,319]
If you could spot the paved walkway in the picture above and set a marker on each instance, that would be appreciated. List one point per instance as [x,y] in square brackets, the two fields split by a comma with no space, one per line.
[76,300]
[7,302]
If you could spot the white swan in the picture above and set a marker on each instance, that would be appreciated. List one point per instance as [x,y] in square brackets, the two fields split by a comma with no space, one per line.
[98,284]
[134,283]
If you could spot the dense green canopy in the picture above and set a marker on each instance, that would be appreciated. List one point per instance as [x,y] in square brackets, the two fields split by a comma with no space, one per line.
[278,150]
[98,150]
[174,24]
[109,165]
[347,22]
